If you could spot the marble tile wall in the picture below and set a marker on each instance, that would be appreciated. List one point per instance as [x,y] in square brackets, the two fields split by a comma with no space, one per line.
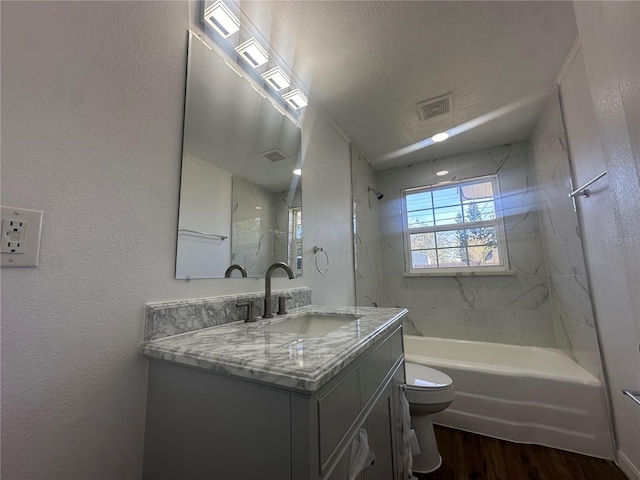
[573,317]
[252,238]
[514,309]
[172,318]
[283,202]
[365,232]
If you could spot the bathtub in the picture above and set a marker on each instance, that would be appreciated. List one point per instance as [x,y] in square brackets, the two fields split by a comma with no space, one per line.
[522,394]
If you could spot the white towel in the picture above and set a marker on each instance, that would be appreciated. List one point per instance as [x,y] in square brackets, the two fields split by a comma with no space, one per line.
[410,446]
[361,456]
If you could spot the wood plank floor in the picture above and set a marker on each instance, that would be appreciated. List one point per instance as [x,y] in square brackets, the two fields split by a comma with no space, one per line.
[467,456]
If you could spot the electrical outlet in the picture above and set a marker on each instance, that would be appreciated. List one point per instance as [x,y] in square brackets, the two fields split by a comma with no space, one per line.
[20,237]
[14,236]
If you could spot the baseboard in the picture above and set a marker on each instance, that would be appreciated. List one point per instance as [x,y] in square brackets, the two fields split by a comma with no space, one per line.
[629,469]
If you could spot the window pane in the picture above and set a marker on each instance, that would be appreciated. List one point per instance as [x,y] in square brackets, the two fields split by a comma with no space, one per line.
[481,236]
[452,257]
[479,211]
[484,255]
[419,201]
[451,238]
[477,191]
[422,241]
[448,215]
[420,219]
[446,197]
[424,259]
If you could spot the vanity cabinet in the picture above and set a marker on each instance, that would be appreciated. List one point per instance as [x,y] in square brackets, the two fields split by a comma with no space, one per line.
[208,425]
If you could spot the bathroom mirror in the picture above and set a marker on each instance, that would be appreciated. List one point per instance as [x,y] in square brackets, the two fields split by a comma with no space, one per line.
[240,202]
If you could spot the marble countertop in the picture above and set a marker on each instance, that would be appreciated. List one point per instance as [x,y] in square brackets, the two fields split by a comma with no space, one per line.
[289,360]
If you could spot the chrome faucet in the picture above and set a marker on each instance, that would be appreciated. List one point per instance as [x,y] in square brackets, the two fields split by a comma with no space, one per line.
[233,267]
[267,286]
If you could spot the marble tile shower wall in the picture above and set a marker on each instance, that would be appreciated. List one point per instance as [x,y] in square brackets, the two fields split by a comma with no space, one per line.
[172,318]
[252,239]
[283,202]
[366,232]
[260,236]
[514,309]
[573,317]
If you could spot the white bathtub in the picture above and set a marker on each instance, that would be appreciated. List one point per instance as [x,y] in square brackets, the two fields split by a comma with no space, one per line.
[523,394]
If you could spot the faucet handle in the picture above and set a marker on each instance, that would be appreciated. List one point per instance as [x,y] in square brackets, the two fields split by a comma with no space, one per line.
[251,317]
[282,304]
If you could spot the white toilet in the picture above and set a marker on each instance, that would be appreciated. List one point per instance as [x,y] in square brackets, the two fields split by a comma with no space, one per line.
[428,391]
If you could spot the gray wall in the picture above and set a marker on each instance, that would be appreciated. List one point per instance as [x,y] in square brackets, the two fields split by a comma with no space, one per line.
[511,309]
[92,106]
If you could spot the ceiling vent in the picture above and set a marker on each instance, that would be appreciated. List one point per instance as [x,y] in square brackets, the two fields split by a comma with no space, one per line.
[275,155]
[436,106]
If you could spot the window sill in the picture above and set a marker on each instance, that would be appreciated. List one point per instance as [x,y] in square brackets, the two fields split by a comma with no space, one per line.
[461,274]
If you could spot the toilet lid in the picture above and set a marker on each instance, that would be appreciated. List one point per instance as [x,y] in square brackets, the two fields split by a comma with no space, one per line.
[421,376]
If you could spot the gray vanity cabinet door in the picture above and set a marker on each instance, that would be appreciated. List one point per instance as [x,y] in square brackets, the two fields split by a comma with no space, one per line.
[379,428]
[337,410]
[379,432]
[341,472]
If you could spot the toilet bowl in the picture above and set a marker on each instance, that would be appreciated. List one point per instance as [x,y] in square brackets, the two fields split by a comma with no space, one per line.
[428,391]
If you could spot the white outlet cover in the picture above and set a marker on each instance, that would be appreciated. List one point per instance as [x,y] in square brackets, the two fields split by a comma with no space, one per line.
[14,233]
[20,244]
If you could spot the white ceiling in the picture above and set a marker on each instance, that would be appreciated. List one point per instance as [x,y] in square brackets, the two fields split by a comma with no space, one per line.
[369,63]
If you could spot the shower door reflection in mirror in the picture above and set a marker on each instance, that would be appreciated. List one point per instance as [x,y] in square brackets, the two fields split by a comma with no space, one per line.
[239,199]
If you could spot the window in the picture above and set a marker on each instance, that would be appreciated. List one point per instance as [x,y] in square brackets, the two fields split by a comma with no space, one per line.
[454,227]
[295,238]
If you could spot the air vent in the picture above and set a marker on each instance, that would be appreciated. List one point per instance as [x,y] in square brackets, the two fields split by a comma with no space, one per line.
[434,107]
[275,155]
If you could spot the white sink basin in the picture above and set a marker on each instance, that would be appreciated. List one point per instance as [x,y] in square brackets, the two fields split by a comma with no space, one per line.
[312,324]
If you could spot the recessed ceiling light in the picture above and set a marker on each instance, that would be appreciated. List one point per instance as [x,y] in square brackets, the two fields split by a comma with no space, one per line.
[221,19]
[277,79]
[439,137]
[297,171]
[442,173]
[253,53]
[296,99]
[258,208]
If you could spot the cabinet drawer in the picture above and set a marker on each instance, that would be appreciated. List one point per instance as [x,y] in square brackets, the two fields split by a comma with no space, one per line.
[337,410]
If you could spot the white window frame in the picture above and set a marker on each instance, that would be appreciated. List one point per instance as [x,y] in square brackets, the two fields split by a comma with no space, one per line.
[498,224]
[292,241]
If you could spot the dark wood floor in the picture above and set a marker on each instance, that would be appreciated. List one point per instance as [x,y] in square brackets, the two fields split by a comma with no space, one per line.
[466,456]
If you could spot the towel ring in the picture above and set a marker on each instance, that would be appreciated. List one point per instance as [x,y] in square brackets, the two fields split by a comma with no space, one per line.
[315,259]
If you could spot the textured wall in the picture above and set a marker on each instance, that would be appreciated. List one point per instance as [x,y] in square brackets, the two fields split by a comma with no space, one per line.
[92,106]
[511,309]
[366,235]
[573,317]
[327,212]
[610,219]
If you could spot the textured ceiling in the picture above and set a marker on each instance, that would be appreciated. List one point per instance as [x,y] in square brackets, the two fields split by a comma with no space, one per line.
[369,63]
